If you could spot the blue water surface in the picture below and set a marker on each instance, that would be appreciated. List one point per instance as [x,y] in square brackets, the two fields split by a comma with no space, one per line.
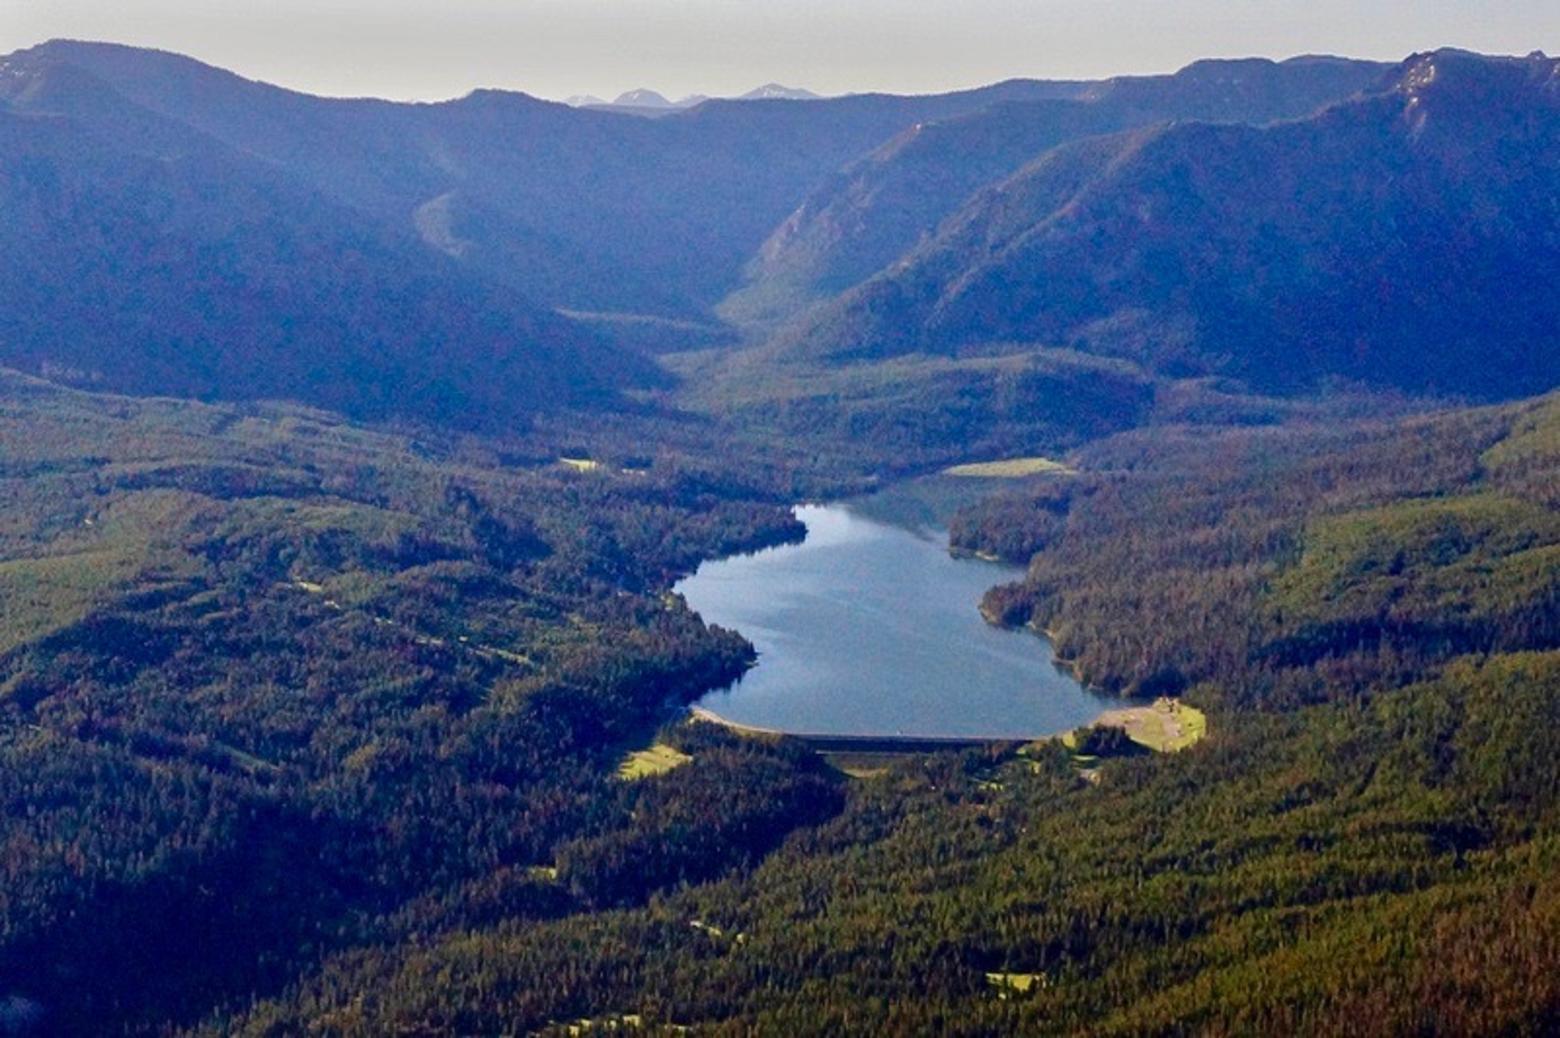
[871,629]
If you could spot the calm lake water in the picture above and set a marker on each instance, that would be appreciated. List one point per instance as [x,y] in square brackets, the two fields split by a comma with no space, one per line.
[871,629]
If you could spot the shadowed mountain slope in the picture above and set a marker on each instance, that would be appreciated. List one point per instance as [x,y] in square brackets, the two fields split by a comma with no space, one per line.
[883,204]
[140,255]
[1410,237]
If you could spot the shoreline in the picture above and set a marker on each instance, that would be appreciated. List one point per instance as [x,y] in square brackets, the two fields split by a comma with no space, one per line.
[1175,725]
[708,716]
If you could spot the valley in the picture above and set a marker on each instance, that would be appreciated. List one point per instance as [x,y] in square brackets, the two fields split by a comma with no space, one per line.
[1167,640]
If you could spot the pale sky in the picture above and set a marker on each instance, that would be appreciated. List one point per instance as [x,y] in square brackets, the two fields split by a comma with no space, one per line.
[433,49]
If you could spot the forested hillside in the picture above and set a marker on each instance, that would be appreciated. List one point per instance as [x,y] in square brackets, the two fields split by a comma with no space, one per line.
[147,258]
[1175,559]
[271,684]
[1366,842]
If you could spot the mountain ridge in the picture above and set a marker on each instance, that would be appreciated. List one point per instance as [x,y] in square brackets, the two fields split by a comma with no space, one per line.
[685,198]
[877,208]
[143,256]
[1198,247]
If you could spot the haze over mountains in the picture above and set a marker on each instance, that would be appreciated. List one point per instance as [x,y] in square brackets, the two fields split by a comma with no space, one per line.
[679,203]
[181,229]
[644,101]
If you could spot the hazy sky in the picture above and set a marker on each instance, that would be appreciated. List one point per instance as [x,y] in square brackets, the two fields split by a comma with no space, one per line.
[442,48]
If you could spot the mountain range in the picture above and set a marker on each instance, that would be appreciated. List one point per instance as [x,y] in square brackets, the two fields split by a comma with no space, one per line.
[141,255]
[180,229]
[654,216]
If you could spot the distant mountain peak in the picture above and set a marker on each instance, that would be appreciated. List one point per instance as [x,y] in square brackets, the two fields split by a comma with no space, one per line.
[778,92]
[642,98]
[644,101]
[1428,65]
[491,96]
[645,98]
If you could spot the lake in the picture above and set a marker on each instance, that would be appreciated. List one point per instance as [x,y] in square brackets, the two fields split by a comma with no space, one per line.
[871,629]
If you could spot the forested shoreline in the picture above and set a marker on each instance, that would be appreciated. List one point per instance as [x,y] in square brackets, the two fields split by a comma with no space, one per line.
[274,685]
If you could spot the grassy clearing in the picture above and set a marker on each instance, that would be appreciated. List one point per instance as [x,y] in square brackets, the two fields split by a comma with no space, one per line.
[1534,440]
[87,561]
[1009,468]
[1015,983]
[1475,556]
[1165,727]
[656,760]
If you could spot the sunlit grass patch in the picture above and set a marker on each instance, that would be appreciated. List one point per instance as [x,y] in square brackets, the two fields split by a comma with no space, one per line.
[87,563]
[1165,727]
[1015,983]
[1534,440]
[1010,468]
[656,760]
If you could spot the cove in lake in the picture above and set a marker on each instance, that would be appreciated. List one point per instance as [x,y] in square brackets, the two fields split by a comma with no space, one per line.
[868,629]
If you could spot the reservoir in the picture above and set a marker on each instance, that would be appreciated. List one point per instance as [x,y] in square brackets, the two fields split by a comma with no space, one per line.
[872,629]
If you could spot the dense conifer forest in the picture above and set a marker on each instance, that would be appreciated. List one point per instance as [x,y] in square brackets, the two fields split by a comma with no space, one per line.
[320,724]
[270,679]
[1367,842]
